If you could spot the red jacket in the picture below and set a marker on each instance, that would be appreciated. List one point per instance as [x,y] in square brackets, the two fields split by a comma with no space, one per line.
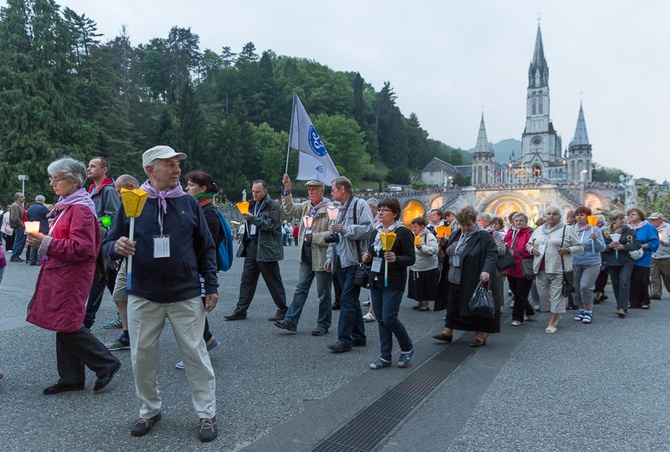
[59,302]
[519,250]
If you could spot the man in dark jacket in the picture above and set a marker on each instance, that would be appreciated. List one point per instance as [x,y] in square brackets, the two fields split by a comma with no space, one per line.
[262,249]
[172,246]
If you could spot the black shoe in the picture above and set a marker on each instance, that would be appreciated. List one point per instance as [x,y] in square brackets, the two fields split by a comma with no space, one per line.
[143,426]
[207,430]
[277,317]
[571,307]
[34,263]
[359,343]
[284,325]
[235,316]
[58,388]
[104,380]
[16,260]
[336,307]
[339,347]
[319,330]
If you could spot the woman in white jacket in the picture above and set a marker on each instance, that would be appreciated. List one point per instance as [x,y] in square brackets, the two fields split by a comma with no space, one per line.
[552,244]
[423,275]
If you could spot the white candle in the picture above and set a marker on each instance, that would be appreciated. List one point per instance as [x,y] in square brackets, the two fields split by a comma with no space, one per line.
[32,226]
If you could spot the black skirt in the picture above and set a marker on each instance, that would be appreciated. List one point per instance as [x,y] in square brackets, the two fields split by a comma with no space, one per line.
[455,321]
[422,286]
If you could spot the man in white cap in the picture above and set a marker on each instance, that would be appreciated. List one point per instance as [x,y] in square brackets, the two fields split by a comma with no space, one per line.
[660,260]
[312,249]
[172,247]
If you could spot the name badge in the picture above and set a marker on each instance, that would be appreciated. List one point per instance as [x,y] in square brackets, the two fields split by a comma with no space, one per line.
[376,264]
[455,261]
[252,229]
[161,246]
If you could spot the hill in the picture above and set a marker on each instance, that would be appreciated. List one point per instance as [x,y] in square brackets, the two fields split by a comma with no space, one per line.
[503,150]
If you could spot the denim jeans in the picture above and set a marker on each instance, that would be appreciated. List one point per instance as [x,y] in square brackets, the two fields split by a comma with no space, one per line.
[33,255]
[19,244]
[323,282]
[386,303]
[621,275]
[350,326]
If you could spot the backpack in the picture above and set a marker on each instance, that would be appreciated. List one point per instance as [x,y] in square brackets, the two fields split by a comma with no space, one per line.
[224,250]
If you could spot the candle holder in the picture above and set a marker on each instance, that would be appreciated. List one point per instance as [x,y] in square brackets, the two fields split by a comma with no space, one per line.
[32,227]
[307,221]
[243,207]
[333,213]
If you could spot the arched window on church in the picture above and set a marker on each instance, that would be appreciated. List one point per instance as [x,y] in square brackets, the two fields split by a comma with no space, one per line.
[539,104]
[479,176]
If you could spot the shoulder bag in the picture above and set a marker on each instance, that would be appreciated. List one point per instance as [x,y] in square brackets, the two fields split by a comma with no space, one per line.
[568,277]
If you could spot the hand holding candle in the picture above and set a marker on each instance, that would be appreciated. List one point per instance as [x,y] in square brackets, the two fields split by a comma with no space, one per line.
[387,239]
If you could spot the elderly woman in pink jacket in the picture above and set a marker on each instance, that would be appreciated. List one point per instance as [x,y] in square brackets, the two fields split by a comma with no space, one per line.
[68,253]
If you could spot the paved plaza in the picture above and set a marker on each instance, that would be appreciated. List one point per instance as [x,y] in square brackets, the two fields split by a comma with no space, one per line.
[595,387]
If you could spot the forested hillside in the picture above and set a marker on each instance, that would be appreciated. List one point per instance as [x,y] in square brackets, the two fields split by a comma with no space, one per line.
[63,91]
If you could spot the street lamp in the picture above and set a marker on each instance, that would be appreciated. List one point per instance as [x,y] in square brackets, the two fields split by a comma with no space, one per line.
[23,178]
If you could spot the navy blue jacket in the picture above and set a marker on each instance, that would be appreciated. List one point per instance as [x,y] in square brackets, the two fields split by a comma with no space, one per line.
[192,251]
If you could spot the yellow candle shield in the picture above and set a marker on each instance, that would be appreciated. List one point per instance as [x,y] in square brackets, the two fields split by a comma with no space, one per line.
[133,201]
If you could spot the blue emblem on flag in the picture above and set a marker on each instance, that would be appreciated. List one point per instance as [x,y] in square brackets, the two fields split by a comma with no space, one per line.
[315,142]
[320,169]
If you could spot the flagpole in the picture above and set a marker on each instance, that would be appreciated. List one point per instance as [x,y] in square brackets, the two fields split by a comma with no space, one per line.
[288,147]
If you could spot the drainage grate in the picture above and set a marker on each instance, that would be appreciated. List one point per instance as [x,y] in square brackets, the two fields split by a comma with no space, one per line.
[369,428]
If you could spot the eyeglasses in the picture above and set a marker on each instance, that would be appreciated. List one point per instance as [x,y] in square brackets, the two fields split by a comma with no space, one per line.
[384,210]
[53,180]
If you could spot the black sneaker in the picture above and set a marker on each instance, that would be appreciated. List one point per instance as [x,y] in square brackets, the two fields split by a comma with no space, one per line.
[207,430]
[143,426]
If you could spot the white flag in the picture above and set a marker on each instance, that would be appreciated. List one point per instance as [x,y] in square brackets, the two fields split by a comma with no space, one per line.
[314,163]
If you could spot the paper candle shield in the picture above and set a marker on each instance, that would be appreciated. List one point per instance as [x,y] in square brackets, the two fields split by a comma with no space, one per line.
[442,231]
[32,226]
[387,239]
[592,219]
[243,207]
[615,237]
[417,240]
[133,201]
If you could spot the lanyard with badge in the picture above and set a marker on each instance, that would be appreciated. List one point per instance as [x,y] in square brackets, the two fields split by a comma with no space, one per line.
[456,258]
[257,209]
[162,241]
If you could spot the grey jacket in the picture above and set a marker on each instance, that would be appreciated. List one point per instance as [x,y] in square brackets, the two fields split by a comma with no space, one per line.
[663,251]
[268,224]
[353,233]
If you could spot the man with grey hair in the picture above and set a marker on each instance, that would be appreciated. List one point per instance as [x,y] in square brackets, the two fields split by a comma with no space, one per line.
[660,259]
[351,233]
[17,216]
[37,212]
[173,247]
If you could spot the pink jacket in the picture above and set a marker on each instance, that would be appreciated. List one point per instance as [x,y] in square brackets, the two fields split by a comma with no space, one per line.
[519,250]
[64,282]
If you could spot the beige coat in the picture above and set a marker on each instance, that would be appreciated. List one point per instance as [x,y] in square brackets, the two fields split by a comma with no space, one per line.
[552,241]
[320,228]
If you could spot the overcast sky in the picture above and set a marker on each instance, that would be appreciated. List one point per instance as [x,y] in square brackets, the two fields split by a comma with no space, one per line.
[445,59]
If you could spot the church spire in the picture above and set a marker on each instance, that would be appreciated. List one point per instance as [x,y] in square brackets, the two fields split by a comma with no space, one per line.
[482,140]
[581,136]
[538,72]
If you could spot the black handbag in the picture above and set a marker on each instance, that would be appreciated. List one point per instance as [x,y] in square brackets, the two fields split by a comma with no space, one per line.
[527,267]
[482,301]
[362,276]
[568,277]
[505,261]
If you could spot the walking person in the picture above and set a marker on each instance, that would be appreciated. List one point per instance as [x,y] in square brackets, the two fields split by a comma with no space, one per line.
[388,277]
[471,256]
[69,251]
[423,275]
[660,260]
[312,249]
[617,259]
[519,283]
[172,248]
[17,219]
[552,244]
[586,265]
[352,230]
[648,236]
[262,250]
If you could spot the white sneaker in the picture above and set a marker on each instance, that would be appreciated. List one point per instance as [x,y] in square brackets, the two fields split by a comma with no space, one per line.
[369,317]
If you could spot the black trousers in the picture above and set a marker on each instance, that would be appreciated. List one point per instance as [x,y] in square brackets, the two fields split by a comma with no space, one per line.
[639,287]
[271,275]
[97,291]
[601,281]
[520,287]
[79,349]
